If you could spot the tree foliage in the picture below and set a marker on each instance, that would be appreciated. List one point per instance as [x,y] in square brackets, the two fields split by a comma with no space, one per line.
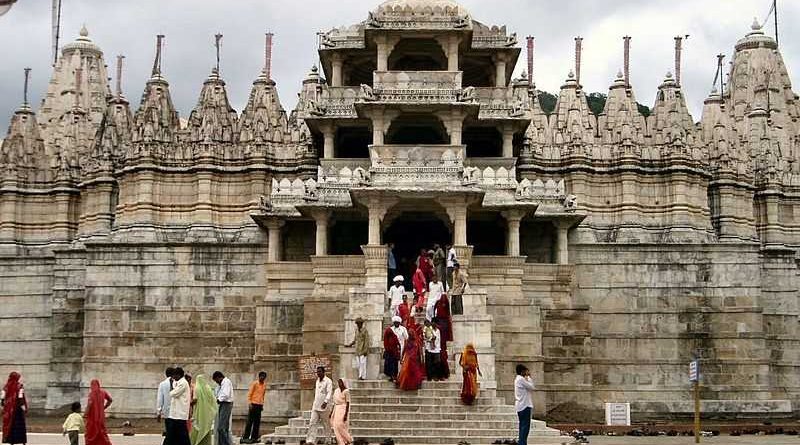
[596,101]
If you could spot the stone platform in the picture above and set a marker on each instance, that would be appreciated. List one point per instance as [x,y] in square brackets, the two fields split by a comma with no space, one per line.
[432,415]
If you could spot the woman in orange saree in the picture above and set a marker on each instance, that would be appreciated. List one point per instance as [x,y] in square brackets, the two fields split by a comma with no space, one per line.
[471,370]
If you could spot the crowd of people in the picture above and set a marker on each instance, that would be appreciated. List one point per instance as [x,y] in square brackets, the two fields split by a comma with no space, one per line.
[195,413]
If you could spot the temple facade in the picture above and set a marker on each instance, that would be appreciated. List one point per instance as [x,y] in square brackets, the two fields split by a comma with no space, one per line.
[605,250]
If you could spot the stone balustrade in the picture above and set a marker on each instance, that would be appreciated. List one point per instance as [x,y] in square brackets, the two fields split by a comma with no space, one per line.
[417,80]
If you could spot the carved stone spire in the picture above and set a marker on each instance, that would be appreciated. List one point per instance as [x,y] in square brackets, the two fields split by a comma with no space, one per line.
[156,119]
[573,122]
[23,145]
[620,123]
[114,136]
[670,122]
[64,95]
[263,119]
[213,119]
[763,106]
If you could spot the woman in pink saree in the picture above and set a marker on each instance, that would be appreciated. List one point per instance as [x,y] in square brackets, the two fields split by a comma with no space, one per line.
[340,417]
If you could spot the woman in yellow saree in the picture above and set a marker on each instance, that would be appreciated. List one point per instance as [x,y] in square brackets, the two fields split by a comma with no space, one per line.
[204,413]
[471,370]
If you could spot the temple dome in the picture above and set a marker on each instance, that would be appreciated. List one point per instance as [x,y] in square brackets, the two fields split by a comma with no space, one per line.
[448,7]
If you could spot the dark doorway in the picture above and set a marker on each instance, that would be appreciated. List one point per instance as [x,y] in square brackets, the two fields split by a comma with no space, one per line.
[418,55]
[412,129]
[487,234]
[410,233]
[483,142]
[352,142]
[347,236]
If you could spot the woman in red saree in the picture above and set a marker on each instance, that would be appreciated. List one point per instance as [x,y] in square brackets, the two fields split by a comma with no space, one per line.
[99,401]
[14,409]
[412,373]
[471,370]
[420,285]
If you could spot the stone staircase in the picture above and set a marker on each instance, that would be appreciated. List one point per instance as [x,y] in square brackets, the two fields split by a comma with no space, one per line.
[432,415]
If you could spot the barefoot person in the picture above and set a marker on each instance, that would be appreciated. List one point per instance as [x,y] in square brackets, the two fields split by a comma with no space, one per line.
[99,401]
[340,418]
[15,407]
[471,370]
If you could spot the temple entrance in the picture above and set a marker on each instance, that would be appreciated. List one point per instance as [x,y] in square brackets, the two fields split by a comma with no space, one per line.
[411,232]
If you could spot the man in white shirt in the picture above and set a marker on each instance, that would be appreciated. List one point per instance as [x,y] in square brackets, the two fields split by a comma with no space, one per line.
[435,291]
[396,293]
[180,400]
[523,386]
[452,259]
[320,412]
[224,395]
[163,399]
[433,354]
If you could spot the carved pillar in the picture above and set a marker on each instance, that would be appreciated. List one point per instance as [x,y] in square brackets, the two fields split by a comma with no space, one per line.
[375,216]
[513,219]
[508,141]
[452,53]
[274,249]
[328,133]
[322,218]
[385,46]
[456,130]
[378,123]
[375,254]
[336,74]
[562,254]
[500,73]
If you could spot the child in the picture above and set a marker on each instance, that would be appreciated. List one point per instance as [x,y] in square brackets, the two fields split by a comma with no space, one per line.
[74,424]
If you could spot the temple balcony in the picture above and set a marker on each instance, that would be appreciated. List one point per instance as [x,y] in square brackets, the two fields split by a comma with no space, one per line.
[417,80]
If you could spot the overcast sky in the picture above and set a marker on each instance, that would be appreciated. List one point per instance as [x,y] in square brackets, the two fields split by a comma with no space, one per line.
[128,27]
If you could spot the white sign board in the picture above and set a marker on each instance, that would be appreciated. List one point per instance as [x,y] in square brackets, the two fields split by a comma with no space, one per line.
[694,371]
[618,414]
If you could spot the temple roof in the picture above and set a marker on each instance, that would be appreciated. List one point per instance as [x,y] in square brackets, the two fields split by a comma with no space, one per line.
[417,6]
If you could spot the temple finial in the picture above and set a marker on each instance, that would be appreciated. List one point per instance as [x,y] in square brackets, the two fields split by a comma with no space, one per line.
[268,56]
[627,61]
[25,103]
[578,52]
[120,58]
[157,61]
[530,58]
[217,44]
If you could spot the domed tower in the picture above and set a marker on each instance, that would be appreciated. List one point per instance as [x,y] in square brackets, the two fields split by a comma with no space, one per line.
[73,107]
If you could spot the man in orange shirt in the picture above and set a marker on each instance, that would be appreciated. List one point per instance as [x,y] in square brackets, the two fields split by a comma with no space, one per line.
[255,397]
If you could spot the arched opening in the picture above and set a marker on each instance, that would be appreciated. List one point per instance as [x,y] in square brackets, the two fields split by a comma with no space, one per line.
[537,240]
[347,235]
[412,231]
[411,129]
[483,142]
[478,71]
[486,232]
[352,142]
[418,55]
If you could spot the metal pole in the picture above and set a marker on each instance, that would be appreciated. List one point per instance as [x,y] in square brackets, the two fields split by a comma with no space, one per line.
[56,28]
[157,61]
[78,79]
[720,58]
[217,39]
[775,11]
[119,75]
[530,60]
[697,410]
[678,49]
[268,56]
[25,91]
[627,61]
[578,51]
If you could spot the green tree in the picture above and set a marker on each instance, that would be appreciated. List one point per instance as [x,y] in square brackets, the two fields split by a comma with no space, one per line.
[547,101]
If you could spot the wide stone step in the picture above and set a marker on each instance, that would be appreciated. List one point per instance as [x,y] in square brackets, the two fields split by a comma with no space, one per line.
[438,440]
[419,400]
[424,392]
[450,416]
[422,423]
[383,384]
[428,409]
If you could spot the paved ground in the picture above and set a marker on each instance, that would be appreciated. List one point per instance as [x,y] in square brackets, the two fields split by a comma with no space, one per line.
[146,439]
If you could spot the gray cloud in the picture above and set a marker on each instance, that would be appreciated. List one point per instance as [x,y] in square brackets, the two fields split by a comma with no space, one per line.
[128,27]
